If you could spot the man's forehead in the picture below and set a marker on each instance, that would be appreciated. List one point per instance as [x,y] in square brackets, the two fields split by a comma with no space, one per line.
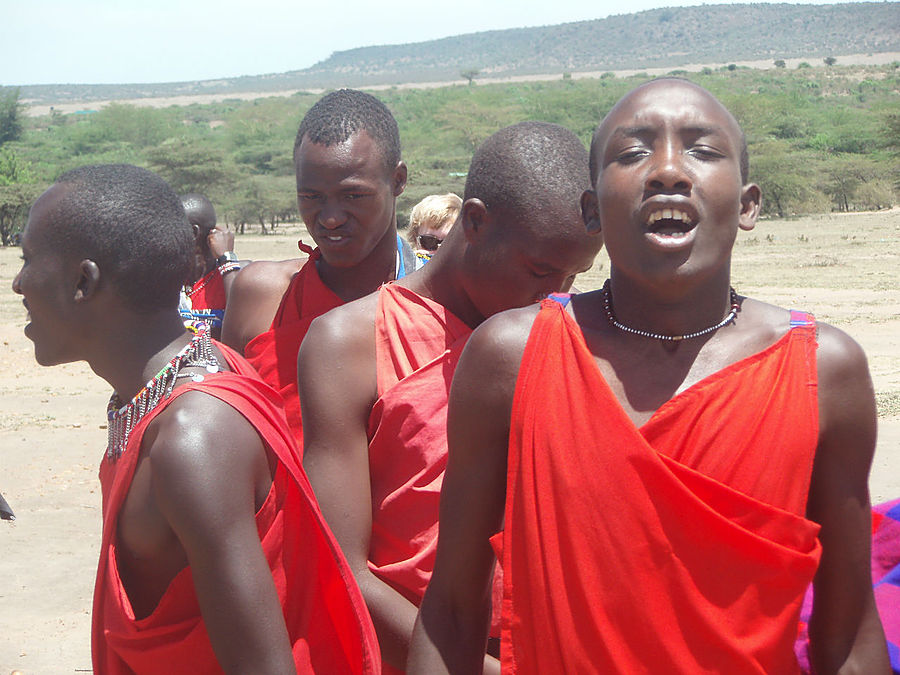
[644,108]
[354,155]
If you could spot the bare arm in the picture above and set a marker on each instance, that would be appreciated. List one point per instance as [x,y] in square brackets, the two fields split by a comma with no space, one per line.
[454,618]
[219,242]
[337,388]
[209,474]
[845,631]
[253,299]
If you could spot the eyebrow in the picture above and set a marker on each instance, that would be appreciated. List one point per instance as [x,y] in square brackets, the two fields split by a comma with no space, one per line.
[646,130]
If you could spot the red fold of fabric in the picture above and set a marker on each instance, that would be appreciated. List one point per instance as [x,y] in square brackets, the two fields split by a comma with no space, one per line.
[679,547]
[274,353]
[418,344]
[326,618]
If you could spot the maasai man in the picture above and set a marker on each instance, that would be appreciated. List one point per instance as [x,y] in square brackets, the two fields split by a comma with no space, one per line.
[349,175]
[662,465]
[215,265]
[214,555]
[375,374]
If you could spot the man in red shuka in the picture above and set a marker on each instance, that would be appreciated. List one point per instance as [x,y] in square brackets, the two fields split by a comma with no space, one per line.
[374,417]
[214,555]
[349,175]
[661,466]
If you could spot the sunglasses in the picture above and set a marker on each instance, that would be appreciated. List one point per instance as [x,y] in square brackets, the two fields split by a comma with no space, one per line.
[429,242]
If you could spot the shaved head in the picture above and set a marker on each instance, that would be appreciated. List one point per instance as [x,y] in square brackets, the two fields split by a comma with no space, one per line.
[131,224]
[199,211]
[522,167]
[601,134]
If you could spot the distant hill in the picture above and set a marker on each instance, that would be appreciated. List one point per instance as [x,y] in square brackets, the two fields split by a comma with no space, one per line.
[655,38]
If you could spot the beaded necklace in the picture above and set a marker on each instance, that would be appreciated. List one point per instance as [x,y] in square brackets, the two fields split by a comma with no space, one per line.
[608,307]
[122,418]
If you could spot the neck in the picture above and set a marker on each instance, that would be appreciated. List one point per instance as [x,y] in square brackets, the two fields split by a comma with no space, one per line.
[352,283]
[671,308]
[135,347]
[442,280]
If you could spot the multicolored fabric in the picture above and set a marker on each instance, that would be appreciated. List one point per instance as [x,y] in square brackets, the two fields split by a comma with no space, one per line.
[615,536]
[325,615]
[207,301]
[886,581]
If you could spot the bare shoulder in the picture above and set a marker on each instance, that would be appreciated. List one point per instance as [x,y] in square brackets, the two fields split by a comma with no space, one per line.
[199,449]
[267,277]
[348,331]
[839,356]
[349,325]
[253,299]
[490,361]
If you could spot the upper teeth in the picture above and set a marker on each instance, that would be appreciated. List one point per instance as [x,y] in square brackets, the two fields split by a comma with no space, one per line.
[669,214]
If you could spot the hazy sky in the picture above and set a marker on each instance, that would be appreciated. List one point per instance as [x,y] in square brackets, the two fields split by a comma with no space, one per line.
[125,41]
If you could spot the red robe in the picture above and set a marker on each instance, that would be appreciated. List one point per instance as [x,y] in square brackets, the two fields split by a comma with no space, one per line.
[274,353]
[418,344]
[207,298]
[326,618]
[678,547]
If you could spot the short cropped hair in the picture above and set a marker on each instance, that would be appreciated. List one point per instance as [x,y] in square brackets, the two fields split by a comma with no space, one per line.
[132,224]
[200,211]
[338,115]
[433,211]
[516,169]
[744,158]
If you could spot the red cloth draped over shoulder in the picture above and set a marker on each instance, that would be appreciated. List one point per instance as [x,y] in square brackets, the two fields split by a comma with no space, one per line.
[274,353]
[418,344]
[686,549]
[327,621]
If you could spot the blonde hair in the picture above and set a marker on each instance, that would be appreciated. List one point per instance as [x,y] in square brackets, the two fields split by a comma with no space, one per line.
[434,211]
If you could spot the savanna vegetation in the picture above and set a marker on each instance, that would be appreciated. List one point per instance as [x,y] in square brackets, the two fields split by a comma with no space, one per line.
[822,138]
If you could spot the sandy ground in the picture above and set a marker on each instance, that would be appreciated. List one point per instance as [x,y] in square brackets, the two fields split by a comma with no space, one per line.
[841,267]
[36,110]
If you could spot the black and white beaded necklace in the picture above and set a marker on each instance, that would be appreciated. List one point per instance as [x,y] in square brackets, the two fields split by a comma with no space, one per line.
[611,317]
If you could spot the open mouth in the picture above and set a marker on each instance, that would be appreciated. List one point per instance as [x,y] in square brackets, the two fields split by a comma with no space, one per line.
[670,222]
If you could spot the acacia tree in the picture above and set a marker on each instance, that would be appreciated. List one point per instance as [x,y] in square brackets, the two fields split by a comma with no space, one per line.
[470,74]
[10,116]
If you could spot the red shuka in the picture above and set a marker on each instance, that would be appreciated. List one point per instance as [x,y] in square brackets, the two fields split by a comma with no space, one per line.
[418,344]
[326,617]
[274,353]
[678,547]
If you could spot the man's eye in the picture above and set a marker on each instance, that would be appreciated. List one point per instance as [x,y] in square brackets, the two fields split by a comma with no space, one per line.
[630,156]
[705,153]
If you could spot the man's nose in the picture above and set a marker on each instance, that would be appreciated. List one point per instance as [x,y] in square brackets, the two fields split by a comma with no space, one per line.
[668,171]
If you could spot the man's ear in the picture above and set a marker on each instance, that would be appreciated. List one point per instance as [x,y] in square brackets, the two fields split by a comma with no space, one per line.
[88,280]
[590,212]
[474,217]
[751,202]
[399,178]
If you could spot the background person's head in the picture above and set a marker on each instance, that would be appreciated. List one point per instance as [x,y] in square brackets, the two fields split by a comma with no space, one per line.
[521,216]
[430,220]
[349,174]
[202,216]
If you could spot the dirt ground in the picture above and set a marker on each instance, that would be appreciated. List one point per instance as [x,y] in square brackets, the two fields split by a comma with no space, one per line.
[843,268]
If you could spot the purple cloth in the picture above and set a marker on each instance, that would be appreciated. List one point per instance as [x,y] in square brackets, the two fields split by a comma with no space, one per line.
[885,582]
